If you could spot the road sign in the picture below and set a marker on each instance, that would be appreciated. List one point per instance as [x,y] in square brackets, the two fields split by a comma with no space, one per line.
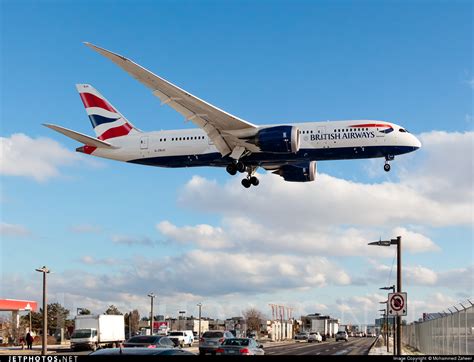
[397,304]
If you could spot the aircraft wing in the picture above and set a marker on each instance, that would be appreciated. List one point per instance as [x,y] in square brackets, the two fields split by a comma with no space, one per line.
[220,126]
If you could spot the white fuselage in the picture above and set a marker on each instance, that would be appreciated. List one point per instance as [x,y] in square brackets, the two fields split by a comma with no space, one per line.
[331,140]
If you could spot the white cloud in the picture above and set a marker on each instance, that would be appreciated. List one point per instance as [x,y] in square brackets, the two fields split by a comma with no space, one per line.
[132,240]
[239,233]
[39,158]
[13,230]
[419,275]
[91,260]
[443,170]
[202,235]
[415,242]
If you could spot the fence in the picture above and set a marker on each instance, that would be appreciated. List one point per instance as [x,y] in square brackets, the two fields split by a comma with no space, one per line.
[443,333]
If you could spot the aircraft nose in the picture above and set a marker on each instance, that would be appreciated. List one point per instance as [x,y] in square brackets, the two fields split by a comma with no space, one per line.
[416,142]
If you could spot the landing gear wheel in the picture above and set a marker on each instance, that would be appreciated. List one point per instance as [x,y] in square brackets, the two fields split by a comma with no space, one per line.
[246,183]
[386,167]
[254,181]
[231,168]
[240,166]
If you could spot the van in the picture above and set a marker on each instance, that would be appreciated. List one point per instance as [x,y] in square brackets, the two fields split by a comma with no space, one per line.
[181,338]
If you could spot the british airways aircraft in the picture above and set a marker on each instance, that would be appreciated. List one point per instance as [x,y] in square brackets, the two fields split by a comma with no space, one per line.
[224,140]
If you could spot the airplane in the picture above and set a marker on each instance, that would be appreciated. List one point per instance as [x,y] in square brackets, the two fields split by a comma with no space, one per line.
[224,140]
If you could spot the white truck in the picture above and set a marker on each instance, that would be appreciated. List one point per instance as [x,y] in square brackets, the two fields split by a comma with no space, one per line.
[96,331]
[180,338]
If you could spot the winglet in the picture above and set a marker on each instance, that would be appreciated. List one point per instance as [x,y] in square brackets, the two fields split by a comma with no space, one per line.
[104,52]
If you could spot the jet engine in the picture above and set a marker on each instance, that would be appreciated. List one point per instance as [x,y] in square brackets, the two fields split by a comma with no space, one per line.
[302,172]
[279,139]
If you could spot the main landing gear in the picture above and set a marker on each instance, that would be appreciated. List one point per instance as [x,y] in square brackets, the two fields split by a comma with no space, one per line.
[239,166]
[386,166]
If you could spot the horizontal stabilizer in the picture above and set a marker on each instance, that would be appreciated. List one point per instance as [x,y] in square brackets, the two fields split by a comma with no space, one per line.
[80,137]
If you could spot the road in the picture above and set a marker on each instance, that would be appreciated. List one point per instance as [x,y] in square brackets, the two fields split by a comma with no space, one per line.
[355,346]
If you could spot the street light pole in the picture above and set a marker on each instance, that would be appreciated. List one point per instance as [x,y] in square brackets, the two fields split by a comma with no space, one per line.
[399,290]
[152,296]
[392,288]
[199,305]
[385,316]
[398,243]
[44,346]
[184,322]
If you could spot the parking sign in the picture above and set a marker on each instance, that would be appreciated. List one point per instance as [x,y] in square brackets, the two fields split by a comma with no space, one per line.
[397,304]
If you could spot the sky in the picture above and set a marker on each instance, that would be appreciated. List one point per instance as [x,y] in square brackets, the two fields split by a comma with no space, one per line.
[113,232]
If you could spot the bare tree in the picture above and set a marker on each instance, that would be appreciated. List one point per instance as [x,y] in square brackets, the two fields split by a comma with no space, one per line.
[253,318]
[132,319]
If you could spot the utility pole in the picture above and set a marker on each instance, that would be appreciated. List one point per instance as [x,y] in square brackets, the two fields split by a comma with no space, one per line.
[200,306]
[152,296]
[385,317]
[44,346]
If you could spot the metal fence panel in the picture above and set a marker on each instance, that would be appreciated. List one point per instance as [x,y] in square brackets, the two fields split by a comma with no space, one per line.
[448,334]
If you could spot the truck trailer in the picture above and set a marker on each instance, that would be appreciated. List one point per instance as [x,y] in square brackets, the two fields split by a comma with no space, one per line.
[97,331]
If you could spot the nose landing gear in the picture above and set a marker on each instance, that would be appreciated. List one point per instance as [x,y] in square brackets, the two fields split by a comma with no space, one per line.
[386,166]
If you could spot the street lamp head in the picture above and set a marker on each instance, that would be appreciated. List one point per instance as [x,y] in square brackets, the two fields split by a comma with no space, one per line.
[151,295]
[384,302]
[381,243]
[43,269]
[199,304]
[388,288]
[382,310]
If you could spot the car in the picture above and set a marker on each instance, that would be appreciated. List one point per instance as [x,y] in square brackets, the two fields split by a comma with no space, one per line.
[180,338]
[240,346]
[149,342]
[302,336]
[315,337]
[211,340]
[141,351]
[342,335]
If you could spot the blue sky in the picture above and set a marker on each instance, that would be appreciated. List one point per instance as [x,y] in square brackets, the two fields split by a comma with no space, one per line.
[409,62]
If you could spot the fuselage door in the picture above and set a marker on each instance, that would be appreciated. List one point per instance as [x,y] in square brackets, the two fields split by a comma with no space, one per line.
[144,143]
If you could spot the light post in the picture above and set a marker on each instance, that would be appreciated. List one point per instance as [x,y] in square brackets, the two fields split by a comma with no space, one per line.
[385,316]
[181,312]
[152,296]
[392,288]
[44,346]
[200,306]
[398,243]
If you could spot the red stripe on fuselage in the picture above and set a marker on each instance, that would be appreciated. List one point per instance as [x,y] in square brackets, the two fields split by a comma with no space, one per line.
[122,130]
[372,125]
[91,100]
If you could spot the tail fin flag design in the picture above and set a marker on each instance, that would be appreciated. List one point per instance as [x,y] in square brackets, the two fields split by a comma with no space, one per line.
[105,119]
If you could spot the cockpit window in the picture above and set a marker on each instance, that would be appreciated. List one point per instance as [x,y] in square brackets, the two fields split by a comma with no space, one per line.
[402,130]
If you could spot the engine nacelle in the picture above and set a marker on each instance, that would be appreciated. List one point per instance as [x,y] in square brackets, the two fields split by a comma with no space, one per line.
[279,139]
[302,172]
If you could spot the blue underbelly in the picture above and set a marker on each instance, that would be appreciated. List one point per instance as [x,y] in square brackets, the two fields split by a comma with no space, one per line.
[260,159]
